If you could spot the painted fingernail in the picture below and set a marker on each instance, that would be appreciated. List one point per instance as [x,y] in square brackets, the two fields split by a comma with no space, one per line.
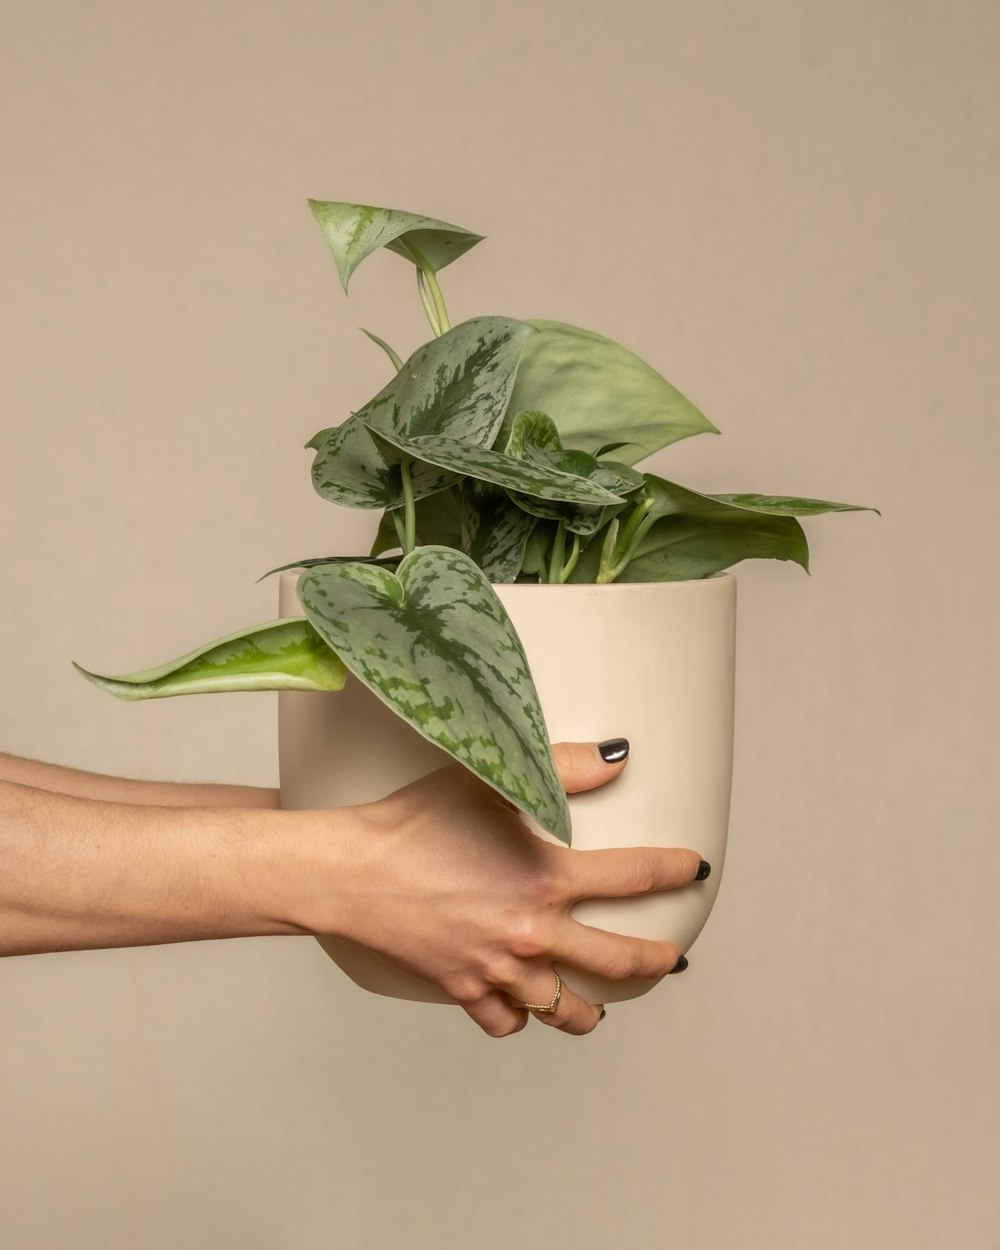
[704,868]
[602,1015]
[613,750]
[679,966]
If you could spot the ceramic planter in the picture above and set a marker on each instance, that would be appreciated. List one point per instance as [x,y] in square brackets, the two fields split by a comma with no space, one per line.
[652,662]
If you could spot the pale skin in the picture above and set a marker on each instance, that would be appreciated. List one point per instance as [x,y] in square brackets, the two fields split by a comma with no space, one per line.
[442,877]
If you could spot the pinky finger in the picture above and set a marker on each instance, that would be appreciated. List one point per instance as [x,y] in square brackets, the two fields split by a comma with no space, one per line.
[496,1015]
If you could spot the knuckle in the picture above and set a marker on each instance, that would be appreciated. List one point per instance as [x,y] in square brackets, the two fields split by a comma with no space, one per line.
[645,871]
[502,1028]
[465,991]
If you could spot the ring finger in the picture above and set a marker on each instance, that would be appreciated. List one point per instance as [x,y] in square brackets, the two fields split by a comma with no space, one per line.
[570,1012]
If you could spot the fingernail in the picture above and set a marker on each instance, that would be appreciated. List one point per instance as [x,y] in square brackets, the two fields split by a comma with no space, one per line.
[679,966]
[602,1015]
[704,868]
[613,750]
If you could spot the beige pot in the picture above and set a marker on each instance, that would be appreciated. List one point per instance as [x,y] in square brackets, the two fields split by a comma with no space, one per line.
[652,662]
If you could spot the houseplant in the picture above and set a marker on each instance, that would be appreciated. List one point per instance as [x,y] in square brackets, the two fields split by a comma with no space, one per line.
[501,453]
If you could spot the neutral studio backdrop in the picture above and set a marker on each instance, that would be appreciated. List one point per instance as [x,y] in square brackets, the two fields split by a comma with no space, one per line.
[789,207]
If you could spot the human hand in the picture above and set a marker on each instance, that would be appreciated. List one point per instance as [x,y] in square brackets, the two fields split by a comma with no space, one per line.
[449,883]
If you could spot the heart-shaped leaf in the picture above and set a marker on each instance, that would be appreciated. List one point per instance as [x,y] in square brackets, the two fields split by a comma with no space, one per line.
[354,231]
[457,385]
[591,386]
[349,469]
[435,644]
[281,655]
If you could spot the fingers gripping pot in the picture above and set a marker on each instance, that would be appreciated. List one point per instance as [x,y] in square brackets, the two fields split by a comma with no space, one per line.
[651,661]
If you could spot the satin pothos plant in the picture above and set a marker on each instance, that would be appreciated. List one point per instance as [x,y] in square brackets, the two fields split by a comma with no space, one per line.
[500,451]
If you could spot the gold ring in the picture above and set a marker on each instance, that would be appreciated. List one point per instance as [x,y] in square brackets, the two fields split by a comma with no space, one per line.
[550,1006]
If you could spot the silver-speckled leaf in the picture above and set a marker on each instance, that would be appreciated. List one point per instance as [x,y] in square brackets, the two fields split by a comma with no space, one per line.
[281,655]
[354,231]
[500,470]
[789,505]
[349,469]
[457,385]
[494,530]
[594,389]
[435,644]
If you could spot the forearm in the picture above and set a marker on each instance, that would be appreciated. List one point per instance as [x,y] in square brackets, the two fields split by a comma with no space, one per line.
[84,785]
[82,874]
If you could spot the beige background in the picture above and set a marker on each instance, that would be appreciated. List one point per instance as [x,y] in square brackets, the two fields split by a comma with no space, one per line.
[790,208]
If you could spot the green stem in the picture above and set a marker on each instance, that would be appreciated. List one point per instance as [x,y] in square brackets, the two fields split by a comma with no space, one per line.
[430,291]
[409,509]
[558,553]
[428,303]
[397,520]
[605,572]
[570,564]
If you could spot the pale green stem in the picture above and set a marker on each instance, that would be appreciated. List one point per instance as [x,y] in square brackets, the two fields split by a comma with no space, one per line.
[428,303]
[604,573]
[409,509]
[558,553]
[397,520]
[570,564]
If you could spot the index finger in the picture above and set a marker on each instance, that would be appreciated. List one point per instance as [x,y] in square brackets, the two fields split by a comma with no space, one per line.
[628,872]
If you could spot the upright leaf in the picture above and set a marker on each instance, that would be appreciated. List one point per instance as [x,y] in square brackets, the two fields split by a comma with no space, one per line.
[281,655]
[435,644]
[457,385]
[354,231]
[592,387]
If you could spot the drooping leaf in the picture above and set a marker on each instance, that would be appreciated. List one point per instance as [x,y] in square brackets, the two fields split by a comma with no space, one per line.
[499,469]
[694,535]
[592,387]
[787,505]
[349,469]
[494,530]
[313,561]
[438,523]
[435,644]
[281,655]
[354,231]
[457,385]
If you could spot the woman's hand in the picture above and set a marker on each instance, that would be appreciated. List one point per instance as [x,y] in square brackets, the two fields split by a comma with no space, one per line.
[448,882]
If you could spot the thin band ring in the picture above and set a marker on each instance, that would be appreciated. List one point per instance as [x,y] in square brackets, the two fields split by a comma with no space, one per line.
[549,1006]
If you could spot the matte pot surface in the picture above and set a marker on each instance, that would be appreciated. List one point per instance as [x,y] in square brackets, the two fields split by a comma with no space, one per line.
[651,662]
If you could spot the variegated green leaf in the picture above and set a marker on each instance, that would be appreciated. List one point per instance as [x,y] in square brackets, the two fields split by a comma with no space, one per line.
[786,505]
[494,530]
[498,469]
[354,231]
[349,469]
[695,535]
[535,439]
[435,644]
[591,386]
[281,655]
[457,385]
[312,562]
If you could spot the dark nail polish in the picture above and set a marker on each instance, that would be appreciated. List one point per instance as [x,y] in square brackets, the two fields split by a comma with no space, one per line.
[704,868]
[602,1015]
[679,966]
[613,750]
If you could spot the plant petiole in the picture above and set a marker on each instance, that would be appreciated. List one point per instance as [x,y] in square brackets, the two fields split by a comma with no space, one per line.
[409,509]
[570,564]
[558,554]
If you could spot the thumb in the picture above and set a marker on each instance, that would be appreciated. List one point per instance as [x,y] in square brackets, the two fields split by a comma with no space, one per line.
[586,765]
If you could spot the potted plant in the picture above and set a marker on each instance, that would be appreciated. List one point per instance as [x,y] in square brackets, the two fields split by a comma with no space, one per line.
[513,525]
